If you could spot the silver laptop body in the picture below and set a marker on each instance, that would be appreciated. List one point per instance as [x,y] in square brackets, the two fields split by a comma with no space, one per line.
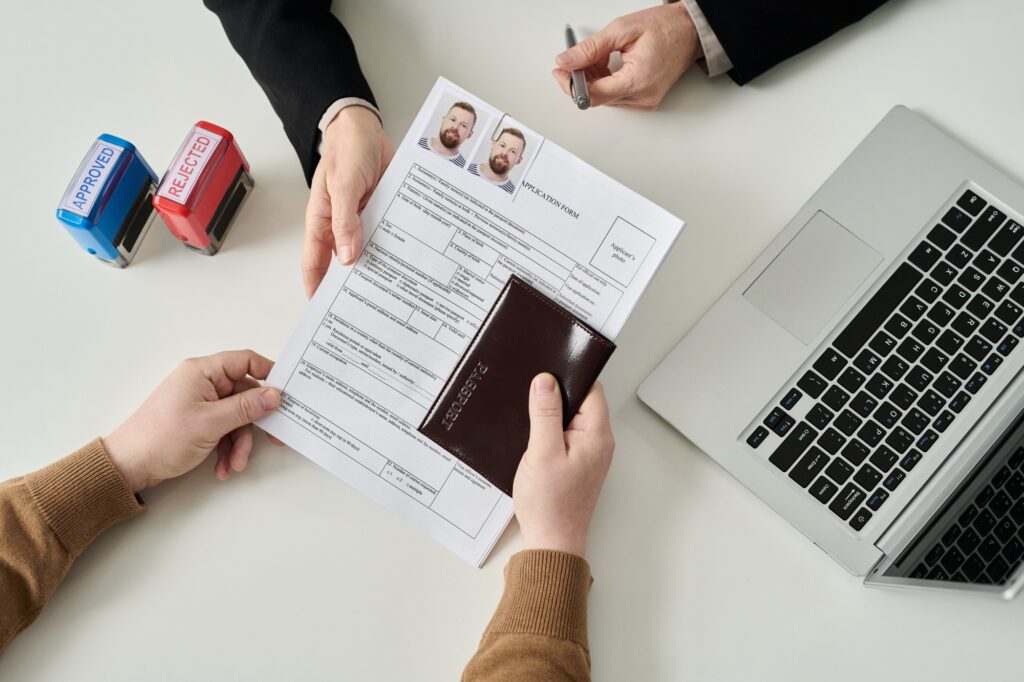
[740,377]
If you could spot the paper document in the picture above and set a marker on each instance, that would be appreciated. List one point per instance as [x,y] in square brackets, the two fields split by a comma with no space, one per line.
[471,196]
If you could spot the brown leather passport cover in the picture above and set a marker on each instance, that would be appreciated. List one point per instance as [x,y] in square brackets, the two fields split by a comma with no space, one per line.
[482,415]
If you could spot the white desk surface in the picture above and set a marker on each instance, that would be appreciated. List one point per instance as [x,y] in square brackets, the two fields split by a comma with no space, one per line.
[287,573]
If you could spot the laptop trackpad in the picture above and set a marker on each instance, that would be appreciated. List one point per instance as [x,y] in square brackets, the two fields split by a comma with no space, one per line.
[814,275]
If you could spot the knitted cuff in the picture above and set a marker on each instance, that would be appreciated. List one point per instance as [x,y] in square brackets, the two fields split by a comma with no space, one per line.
[545,594]
[82,495]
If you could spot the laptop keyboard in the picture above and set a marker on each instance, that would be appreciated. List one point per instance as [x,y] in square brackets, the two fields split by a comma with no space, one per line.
[888,386]
[985,543]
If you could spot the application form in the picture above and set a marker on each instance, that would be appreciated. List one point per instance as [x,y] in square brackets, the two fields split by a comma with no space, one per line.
[471,196]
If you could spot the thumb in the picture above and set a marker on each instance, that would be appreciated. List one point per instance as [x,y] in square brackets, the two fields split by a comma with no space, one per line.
[345,223]
[594,50]
[227,414]
[546,429]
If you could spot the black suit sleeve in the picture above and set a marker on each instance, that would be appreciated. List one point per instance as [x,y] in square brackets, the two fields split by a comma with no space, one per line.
[758,34]
[301,56]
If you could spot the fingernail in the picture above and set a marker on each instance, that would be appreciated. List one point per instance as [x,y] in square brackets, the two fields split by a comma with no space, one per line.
[269,400]
[562,58]
[345,253]
[544,383]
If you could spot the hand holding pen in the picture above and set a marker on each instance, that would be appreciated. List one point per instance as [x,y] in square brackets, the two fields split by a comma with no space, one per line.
[657,46]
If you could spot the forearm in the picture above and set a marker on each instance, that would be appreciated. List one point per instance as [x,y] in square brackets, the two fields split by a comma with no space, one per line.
[301,56]
[539,630]
[758,34]
[47,519]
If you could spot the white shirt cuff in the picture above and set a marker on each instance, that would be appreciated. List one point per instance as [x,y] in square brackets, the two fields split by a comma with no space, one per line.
[717,61]
[336,108]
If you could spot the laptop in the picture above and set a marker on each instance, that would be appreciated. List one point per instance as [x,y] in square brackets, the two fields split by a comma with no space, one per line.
[863,376]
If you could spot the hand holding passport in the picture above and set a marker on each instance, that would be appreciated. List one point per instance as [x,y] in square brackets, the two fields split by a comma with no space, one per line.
[481,416]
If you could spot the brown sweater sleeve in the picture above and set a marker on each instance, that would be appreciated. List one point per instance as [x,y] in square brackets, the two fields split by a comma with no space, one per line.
[539,631]
[46,519]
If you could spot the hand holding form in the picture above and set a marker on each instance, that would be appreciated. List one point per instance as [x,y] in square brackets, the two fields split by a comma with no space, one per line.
[657,45]
[561,474]
[353,158]
[204,404]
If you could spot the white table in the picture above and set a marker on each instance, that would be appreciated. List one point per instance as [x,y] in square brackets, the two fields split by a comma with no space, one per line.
[287,573]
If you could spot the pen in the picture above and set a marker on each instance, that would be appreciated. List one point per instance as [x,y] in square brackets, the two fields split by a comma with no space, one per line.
[578,83]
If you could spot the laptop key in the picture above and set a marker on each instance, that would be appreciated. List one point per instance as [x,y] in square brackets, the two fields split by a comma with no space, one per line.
[887,415]
[950,536]
[927,440]
[851,379]
[995,289]
[918,378]
[1004,531]
[986,261]
[941,236]
[984,524]
[1008,344]
[1013,550]
[993,330]
[913,308]
[829,364]
[968,515]
[947,385]
[971,279]
[931,402]
[973,567]
[757,437]
[819,417]
[975,383]
[812,384]
[835,397]
[934,360]
[911,460]
[998,570]
[924,256]
[983,228]
[877,499]
[910,350]
[867,361]
[989,549]
[969,541]
[933,556]
[899,440]
[959,257]
[846,501]
[860,519]
[898,326]
[863,404]
[895,368]
[991,364]
[884,458]
[949,342]
[791,399]
[839,470]
[1001,504]
[1016,459]
[878,386]
[1017,512]
[893,480]
[883,344]
[871,433]
[964,324]
[978,348]
[941,314]
[855,452]
[952,560]
[984,496]
[1001,477]
[962,366]
[1009,312]
[809,466]
[928,291]
[956,219]
[1010,271]
[943,421]
[1006,238]
[980,307]
[877,309]
[971,202]
[794,445]
[848,422]
[956,296]
[937,574]
[1015,488]
[903,397]
[925,331]
[916,420]
[867,477]
[1017,293]
[823,489]
[831,440]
